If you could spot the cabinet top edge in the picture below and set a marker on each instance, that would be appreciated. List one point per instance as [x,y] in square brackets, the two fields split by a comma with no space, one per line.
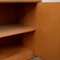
[19,1]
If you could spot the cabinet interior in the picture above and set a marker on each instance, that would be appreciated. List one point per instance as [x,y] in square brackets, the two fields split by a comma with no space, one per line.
[16,24]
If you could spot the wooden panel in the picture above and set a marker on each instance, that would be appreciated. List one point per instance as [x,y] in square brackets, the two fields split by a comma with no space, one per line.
[7,13]
[14,1]
[28,0]
[48,31]
[29,19]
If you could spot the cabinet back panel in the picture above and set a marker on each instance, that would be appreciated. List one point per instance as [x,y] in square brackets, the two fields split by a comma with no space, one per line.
[11,13]
[7,13]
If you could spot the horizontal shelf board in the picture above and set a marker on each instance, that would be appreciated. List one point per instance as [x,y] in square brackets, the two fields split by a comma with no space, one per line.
[19,1]
[15,53]
[10,30]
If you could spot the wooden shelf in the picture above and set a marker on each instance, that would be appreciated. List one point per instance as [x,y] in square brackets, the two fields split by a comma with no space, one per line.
[19,1]
[15,53]
[10,30]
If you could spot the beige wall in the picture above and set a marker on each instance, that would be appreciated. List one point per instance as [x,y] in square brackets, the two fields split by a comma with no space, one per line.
[50,0]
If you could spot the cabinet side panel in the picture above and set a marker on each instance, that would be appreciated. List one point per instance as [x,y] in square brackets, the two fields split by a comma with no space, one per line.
[29,19]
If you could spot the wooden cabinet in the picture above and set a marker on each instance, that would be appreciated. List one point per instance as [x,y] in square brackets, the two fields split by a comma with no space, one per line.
[17,29]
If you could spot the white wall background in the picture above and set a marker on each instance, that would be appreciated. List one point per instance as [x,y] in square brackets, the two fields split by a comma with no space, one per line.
[50,0]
